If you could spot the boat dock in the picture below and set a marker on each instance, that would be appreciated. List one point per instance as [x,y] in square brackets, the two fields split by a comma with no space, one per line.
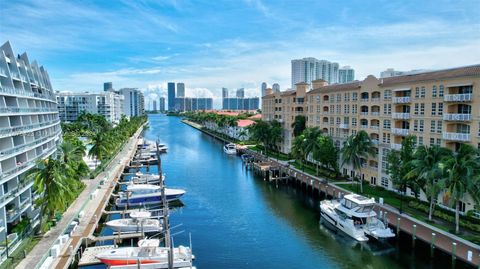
[273,170]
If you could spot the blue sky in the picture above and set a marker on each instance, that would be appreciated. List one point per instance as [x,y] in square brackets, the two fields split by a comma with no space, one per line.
[214,44]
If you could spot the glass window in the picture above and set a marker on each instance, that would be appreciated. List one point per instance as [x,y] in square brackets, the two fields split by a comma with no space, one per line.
[440,109]
[433,128]
[416,109]
[417,92]
[439,126]
[415,125]
[422,92]
[354,96]
[384,182]
[387,95]
[422,109]
[432,141]
[434,91]
[386,124]
[440,91]
[434,109]
[420,128]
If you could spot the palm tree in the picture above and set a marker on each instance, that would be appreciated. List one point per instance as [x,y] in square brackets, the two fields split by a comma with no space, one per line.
[100,147]
[274,134]
[55,186]
[311,146]
[260,133]
[427,171]
[298,149]
[299,125]
[72,156]
[461,177]
[356,148]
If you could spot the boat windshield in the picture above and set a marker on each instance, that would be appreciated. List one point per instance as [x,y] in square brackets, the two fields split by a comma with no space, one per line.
[365,209]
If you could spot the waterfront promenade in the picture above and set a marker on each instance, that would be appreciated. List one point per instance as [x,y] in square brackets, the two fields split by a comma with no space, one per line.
[91,201]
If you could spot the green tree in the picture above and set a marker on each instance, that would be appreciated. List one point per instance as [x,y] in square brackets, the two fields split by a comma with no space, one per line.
[326,153]
[311,144]
[299,125]
[461,177]
[298,149]
[260,132]
[275,134]
[100,147]
[357,148]
[53,183]
[427,172]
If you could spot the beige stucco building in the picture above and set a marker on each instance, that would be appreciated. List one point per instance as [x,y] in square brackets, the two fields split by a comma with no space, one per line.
[439,107]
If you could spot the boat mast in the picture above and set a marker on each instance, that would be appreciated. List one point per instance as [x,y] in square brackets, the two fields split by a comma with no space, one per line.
[166,223]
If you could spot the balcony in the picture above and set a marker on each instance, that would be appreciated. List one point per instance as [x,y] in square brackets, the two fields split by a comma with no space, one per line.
[400,131]
[343,126]
[457,117]
[375,113]
[464,97]
[376,100]
[401,116]
[374,127]
[26,128]
[364,113]
[10,110]
[12,91]
[363,126]
[395,146]
[401,100]
[375,142]
[456,137]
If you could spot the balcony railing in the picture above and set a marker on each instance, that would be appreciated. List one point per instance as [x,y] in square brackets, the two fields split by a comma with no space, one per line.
[5,153]
[457,117]
[364,99]
[364,113]
[21,167]
[376,100]
[26,109]
[401,116]
[343,126]
[9,90]
[456,136]
[400,131]
[374,127]
[396,146]
[26,128]
[375,141]
[462,97]
[375,113]
[401,100]
[363,126]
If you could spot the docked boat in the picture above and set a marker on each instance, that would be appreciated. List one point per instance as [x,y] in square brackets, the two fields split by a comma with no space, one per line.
[147,179]
[146,194]
[139,221]
[354,215]
[146,160]
[147,252]
[230,148]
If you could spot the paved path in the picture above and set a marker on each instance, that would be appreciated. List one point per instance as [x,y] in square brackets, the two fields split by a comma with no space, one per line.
[93,208]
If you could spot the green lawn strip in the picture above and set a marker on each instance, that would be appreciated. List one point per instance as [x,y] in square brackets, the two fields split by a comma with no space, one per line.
[18,254]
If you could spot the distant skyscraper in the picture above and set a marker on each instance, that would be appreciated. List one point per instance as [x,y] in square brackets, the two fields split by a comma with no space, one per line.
[346,74]
[107,86]
[241,93]
[224,93]
[154,105]
[162,104]
[390,72]
[171,96]
[309,69]
[276,87]
[180,90]
[264,87]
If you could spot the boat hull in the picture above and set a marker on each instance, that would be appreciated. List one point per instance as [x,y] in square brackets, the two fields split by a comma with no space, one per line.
[329,215]
[146,200]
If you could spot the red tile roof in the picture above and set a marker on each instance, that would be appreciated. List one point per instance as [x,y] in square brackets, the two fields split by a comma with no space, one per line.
[256,116]
[244,123]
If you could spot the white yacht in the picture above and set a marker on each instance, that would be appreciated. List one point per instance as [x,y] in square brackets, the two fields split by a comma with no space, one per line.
[230,148]
[138,221]
[354,215]
[146,194]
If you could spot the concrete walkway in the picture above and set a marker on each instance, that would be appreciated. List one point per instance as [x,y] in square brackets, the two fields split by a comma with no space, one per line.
[92,187]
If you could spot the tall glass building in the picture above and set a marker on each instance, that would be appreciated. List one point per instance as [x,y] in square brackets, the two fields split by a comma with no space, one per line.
[171,96]
[29,131]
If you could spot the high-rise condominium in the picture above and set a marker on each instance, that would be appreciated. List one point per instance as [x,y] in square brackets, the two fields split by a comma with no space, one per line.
[171,96]
[276,87]
[29,131]
[162,104]
[134,104]
[264,88]
[180,90]
[107,86]
[346,74]
[241,93]
[154,105]
[224,93]
[309,69]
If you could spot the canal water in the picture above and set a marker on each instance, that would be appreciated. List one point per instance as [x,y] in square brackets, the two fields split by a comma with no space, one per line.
[237,220]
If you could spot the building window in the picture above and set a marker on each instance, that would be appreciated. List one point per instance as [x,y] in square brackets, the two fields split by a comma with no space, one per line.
[420,141]
[387,109]
[432,126]
[384,182]
[422,92]
[318,108]
[416,109]
[339,97]
[434,91]
[318,98]
[420,128]
[440,91]
[440,109]
[415,125]
[432,141]
[354,109]
[354,121]
[439,142]
[386,124]
[434,109]
[338,109]
[439,126]
[387,95]
[354,96]
[417,92]
[422,109]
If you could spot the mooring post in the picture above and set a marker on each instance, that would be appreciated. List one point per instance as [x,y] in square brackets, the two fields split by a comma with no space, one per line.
[432,245]
[454,253]
[414,235]
[398,226]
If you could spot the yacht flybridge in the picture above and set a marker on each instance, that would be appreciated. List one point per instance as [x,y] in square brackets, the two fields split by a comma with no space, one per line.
[230,148]
[354,215]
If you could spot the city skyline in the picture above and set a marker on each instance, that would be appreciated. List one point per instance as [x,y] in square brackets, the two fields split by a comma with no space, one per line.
[181,50]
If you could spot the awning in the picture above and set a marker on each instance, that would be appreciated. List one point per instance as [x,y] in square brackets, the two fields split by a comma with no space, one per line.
[401,89]
[459,84]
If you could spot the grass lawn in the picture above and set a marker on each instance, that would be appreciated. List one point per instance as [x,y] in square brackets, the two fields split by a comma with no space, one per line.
[277,155]
[17,256]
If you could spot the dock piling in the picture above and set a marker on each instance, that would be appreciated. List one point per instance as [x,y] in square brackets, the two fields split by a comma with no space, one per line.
[398,226]
[432,245]
[414,235]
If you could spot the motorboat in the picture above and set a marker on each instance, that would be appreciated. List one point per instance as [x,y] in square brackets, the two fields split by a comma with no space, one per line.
[147,252]
[146,194]
[146,160]
[147,179]
[230,148]
[139,221]
[354,215]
